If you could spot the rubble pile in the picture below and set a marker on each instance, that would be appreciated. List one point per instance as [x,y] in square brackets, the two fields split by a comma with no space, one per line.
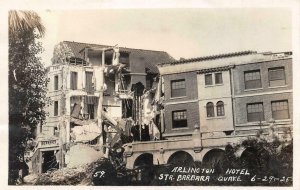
[81,175]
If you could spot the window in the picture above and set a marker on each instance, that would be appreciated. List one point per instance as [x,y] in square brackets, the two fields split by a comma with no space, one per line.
[208,79]
[74,78]
[91,111]
[210,109]
[218,78]
[255,112]
[252,79]
[149,82]
[89,82]
[124,58]
[56,108]
[220,108]
[178,88]
[280,110]
[179,119]
[276,76]
[56,82]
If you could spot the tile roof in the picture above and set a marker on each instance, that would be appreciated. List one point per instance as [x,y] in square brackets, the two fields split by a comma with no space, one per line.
[137,56]
[212,57]
[215,69]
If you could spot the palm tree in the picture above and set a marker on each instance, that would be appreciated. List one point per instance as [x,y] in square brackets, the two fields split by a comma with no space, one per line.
[24,21]
[23,62]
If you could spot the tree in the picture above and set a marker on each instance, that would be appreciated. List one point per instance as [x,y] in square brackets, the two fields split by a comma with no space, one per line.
[24,21]
[27,84]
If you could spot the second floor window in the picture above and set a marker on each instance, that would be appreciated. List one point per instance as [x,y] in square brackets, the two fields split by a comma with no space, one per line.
[74,78]
[280,110]
[220,108]
[218,78]
[276,76]
[252,79]
[255,112]
[210,109]
[179,119]
[208,79]
[56,82]
[178,88]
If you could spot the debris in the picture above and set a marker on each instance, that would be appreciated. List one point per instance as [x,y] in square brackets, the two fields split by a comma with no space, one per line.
[85,133]
[81,154]
[82,175]
[154,131]
[31,179]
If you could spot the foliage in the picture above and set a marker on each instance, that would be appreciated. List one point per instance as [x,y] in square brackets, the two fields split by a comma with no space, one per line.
[264,160]
[24,21]
[27,85]
[280,158]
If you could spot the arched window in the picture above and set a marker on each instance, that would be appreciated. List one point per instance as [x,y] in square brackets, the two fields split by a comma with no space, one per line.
[210,109]
[220,108]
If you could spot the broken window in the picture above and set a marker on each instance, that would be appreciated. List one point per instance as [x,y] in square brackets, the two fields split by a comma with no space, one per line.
[74,79]
[179,119]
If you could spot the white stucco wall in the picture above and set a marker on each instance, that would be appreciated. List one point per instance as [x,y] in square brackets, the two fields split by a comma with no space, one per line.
[214,93]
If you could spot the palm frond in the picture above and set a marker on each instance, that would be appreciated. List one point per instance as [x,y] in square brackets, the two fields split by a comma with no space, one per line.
[25,21]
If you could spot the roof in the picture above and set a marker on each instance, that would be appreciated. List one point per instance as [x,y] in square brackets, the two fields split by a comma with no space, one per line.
[215,69]
[210,63]
[205,58]
[137,56]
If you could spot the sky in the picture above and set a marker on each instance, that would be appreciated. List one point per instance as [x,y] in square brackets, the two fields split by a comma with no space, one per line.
[183,33]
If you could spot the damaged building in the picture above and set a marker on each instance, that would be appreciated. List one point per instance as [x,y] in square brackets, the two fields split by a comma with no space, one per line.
[160,110]
[96,92]
[209,102]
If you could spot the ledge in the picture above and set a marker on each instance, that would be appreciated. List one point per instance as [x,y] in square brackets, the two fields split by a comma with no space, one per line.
[179,97]
[218,117]
[252,89]
[274,87]
[214,85]
[180,128]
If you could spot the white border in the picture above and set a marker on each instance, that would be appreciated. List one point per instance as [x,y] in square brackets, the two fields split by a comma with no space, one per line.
[129,4]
